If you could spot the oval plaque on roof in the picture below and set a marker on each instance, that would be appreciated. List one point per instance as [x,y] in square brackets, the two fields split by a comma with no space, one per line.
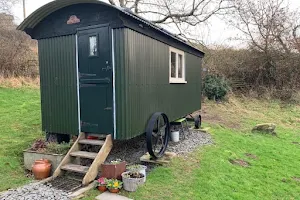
[73,20]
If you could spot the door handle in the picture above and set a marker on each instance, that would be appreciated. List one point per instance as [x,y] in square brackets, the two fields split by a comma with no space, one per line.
[107,68]
[108,108]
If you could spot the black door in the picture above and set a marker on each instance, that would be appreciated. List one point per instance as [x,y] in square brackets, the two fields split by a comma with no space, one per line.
[95,81]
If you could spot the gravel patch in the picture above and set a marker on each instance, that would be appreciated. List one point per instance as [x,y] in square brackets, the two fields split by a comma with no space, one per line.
[193,139]
[132,150]
[34,192]
[129,150]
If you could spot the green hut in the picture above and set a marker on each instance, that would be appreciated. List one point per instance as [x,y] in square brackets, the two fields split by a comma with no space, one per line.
[105,70]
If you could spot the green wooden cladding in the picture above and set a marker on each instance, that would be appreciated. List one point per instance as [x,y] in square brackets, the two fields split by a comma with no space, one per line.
[57,58]
[142,83]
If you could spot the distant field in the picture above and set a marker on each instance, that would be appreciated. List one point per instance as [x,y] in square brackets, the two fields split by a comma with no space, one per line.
[19,124]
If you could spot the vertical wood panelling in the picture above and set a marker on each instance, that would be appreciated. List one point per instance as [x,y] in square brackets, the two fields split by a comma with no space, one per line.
[142,87]
[57,58]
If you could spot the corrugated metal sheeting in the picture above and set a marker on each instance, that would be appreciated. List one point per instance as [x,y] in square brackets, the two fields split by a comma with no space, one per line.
[58,74]
[142,83]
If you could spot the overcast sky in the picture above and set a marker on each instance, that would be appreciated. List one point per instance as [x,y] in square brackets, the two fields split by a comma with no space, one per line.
[217,33]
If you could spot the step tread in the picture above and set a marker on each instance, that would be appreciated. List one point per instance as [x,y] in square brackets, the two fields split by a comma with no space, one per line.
[84,154]
[92,142]
[100,136]
[75,168]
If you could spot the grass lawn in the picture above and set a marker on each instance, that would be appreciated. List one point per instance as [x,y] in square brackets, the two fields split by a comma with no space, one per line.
[20,125]
[208,174]
[205,173]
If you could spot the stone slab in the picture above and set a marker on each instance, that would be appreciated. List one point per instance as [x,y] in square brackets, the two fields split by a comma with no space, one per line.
[163,160]
[111,196]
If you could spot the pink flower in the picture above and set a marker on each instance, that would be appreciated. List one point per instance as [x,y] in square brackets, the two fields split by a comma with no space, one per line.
[102,181]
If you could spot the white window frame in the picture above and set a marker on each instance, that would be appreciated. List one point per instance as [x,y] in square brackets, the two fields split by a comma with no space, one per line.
[172,79]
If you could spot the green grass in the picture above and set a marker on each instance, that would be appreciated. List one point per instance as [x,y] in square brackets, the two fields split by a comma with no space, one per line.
[205,173]
[19,125]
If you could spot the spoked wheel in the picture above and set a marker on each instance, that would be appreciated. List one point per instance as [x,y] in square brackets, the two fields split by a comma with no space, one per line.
[158,133]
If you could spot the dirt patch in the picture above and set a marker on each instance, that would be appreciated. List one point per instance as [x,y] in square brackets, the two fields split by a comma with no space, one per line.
[296,178]
[239,162]
[215,118]
[297,143]
[250,155]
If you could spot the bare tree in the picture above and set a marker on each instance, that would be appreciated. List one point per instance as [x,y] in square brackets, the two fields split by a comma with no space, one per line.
[180,15]
[17,50]
[268,24]
[6,5]
[271,29]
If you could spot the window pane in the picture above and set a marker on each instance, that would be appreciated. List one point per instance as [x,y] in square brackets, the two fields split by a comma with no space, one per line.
[93,46]
[180,66]
[173,65]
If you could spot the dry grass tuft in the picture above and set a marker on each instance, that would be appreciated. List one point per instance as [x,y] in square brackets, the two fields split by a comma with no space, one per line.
[18,82]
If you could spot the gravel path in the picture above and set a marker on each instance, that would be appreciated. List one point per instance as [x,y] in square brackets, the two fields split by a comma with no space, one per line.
[34,192]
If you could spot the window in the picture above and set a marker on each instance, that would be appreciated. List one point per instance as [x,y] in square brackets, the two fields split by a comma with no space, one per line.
[93,43]
[177,66]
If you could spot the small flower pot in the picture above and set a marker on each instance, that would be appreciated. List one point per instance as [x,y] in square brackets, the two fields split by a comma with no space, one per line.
[142,171]
[102,188]
[112,190]
[113,171]
[131,184]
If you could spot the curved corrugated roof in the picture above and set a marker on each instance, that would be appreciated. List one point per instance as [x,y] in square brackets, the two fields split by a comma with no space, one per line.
[37,16]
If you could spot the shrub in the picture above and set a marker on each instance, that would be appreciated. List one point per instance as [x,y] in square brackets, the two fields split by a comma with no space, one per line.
[18,53]
[215,87]
[62,148]
[42,146]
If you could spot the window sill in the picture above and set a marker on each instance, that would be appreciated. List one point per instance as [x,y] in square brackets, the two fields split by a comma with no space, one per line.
[177,82]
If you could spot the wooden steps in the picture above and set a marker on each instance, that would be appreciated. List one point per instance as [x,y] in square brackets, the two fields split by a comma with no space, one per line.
[84,154]
[92,142]
[75,168]
[75,153]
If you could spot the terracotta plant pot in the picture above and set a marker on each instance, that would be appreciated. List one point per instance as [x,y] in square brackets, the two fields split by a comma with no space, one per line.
[41,169]
[41,161]
[114,190]
[102,188]
[113,171]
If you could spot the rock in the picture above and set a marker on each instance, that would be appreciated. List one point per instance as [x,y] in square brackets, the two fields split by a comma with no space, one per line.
[268,128]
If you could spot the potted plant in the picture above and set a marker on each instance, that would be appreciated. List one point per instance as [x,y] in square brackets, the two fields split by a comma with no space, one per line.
[113,169]
[114,185]
[138,168]
[102,183]
[42,149]
[132,180]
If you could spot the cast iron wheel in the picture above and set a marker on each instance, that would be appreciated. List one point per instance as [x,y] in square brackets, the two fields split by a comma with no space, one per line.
[198,122]
[158,133]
